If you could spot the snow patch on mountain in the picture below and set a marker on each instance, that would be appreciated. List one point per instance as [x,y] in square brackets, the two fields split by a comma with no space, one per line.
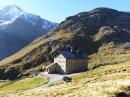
[10,12]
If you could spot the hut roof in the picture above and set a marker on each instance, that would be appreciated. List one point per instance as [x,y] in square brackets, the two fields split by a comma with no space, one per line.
[68,54]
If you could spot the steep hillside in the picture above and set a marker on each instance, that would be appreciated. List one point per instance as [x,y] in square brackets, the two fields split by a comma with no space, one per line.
[101,33]
[19,28]
[106,81]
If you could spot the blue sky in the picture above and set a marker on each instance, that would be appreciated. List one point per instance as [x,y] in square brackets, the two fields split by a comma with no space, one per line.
[58,10]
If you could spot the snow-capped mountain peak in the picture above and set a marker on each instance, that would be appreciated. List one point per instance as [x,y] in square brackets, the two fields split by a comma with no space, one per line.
[18,28]
[10,13]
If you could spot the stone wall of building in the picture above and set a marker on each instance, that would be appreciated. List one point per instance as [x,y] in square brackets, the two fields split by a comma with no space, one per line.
[76,65]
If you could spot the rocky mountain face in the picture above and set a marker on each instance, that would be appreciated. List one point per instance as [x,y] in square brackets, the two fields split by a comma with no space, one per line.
[19,28]
[87,32]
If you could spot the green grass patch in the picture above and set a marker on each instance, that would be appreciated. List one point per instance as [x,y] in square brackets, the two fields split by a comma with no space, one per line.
[24,84]
[3,83]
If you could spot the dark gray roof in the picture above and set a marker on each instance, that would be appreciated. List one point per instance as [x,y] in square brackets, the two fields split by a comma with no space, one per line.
[68,54]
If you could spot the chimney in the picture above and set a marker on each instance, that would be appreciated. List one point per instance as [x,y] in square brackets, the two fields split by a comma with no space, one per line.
[71,50]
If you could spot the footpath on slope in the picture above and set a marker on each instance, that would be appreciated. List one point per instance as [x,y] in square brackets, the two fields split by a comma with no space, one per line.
[55,78]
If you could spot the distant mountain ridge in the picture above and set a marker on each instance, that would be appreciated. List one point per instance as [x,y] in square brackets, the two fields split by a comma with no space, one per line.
[18,28]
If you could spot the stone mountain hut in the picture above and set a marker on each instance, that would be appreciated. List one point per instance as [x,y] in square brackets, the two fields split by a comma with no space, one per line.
[66,63]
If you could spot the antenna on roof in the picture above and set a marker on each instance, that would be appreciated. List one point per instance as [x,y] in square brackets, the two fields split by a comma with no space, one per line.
[77,51]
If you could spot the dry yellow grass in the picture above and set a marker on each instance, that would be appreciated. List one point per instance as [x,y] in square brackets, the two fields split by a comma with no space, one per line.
[106,81]
[109,54]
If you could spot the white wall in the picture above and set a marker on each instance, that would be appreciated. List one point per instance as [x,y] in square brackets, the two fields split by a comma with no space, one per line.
[60,59]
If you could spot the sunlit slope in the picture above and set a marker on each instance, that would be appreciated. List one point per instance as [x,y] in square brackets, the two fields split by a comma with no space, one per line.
[106,81]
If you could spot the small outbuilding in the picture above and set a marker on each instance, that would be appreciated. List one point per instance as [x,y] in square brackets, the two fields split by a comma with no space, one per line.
[67,62]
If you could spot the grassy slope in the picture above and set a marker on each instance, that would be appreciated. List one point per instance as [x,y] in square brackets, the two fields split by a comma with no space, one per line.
[105,81]
[23,84]
[109,54]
